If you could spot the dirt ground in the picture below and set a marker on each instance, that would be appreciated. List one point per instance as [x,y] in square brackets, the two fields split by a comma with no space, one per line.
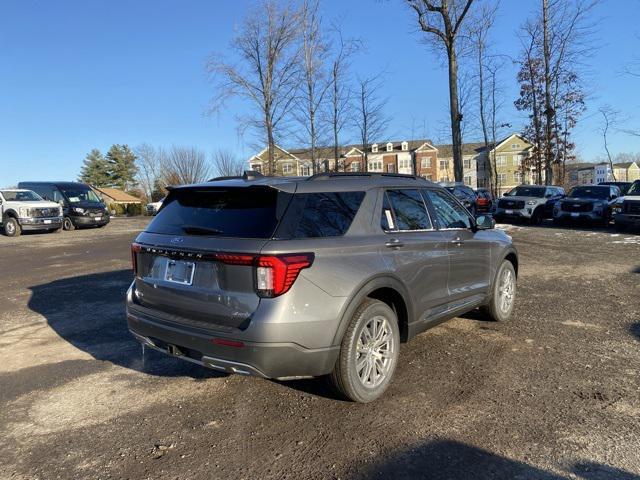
[553,394]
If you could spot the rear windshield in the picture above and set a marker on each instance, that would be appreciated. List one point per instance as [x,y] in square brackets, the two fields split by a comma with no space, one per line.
[251,212]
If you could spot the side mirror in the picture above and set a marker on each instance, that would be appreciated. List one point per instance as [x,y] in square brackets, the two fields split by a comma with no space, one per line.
[505,194]
[485,222]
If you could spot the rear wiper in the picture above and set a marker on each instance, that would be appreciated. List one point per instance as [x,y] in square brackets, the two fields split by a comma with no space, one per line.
[196,230]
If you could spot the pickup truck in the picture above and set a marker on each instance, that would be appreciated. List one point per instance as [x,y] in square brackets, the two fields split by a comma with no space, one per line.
[25,210]
[627,213]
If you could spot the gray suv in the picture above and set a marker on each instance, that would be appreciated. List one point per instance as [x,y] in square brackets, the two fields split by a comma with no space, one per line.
[529,202]
[296,277]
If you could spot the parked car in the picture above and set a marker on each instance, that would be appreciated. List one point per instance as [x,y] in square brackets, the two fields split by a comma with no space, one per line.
[628,214]
[153,207]
[80,204]
[587,202]
[22,209]
[623,186]
[296,277]
[484,200]
[533,203]
[464,194]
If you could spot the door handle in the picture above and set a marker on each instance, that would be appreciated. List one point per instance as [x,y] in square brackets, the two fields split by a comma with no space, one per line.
[394,243]
[457,241]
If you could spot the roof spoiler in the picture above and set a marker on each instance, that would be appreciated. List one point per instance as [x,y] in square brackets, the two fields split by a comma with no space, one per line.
[247,175]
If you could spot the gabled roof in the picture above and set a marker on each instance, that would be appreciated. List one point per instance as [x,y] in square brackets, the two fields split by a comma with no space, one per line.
[623,164]
[117,195]
[510,137]
[446,151]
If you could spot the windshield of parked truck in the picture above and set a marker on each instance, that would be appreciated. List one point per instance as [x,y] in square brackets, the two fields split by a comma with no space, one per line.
[634,189]
[78,195]
[591,192]
[537,192]
[21,196]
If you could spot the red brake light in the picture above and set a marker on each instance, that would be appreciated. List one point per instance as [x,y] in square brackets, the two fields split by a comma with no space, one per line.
[135,248]
[234,259]
[275,274]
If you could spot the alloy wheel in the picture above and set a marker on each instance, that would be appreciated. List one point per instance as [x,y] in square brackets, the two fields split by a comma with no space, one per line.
[506,290]
[375,349]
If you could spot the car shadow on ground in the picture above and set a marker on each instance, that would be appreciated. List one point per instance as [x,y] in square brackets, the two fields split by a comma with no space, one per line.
[635,330]
[448,460]
[88,312]
[635,269]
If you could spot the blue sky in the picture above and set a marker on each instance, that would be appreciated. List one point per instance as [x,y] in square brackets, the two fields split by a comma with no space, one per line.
[77,75]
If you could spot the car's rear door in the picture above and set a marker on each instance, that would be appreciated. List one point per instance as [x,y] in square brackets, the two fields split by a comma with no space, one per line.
[413,249]
[469,251]
[195,261]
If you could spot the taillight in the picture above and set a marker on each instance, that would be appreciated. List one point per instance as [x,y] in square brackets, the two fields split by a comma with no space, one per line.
[135,248]
[275,274]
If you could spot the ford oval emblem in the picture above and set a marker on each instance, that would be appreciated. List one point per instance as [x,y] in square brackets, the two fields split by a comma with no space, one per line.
[177,240]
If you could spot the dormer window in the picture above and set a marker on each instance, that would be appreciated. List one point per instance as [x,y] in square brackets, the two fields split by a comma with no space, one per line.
[405,146]
[389,147]
[374,148]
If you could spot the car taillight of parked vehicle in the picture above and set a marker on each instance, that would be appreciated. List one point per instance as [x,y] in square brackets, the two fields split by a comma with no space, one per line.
[135,248]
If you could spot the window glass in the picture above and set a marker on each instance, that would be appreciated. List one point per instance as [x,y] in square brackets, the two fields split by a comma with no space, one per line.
[409,209]
[250,212]
[323,214]
[449,213]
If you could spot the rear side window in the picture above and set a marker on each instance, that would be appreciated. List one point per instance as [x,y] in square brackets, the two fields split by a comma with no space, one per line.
[409,211]
[251,212]
[312,215]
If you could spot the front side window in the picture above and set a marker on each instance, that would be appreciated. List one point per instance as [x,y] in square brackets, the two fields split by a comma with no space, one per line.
[449,213]
[405,210]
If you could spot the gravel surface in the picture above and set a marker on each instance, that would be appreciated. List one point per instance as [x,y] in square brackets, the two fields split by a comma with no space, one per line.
[553,394]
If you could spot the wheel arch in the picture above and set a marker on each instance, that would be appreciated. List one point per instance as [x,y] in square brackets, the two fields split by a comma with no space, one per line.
[387,289]
[10,213]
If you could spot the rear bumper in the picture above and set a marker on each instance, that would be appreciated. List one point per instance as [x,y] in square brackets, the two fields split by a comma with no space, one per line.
[268,360]
[627,219]
[36,223]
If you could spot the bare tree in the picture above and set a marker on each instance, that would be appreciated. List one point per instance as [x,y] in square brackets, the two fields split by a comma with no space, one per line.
[267,74]
[184,165]
[312,92]
[149,168]
[610,119]
[371,120]
[340,92]
[443,21]
[226,163]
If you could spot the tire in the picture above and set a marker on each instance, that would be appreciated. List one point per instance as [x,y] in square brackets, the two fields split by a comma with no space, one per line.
[68,225]
[345,378]
[12,227]
[495,308]
[536,218]
[620,227]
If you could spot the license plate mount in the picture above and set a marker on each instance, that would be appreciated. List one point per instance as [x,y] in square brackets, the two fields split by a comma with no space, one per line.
[179,271]
[508,212]
[575,215]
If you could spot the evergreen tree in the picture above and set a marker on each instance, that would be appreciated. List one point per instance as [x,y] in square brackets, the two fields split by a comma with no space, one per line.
[94,170]
[121,162]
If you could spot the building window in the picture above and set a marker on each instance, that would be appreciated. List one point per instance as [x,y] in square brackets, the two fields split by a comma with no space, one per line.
[467,163]
[391,168]
[501,160]
[502,178]
[515,146]
[375,165]
[256,167]
[287,168]
[374,148]
[517,177]
[467,180]
[405,146]
[389,147]
[355,166]
[443,164]
[425,162]
[517,159]
[305,170]
[403,163]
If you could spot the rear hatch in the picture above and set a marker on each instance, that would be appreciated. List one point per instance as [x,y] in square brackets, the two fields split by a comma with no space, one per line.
[196,262]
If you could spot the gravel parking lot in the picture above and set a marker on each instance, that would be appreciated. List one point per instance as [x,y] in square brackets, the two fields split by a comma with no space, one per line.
[553,394]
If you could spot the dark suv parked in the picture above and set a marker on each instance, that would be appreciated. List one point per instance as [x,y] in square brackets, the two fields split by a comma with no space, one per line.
[80,204]
[464,194]
[293,277]
[587,202]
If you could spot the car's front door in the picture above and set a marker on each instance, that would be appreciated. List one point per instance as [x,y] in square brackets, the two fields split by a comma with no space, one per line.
[469,250]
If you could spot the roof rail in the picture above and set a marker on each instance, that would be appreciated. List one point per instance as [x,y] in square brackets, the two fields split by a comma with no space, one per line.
[328,175]
[247,175]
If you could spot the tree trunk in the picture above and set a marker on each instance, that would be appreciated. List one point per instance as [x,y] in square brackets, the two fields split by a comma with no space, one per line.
[549,112]
[456,134]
